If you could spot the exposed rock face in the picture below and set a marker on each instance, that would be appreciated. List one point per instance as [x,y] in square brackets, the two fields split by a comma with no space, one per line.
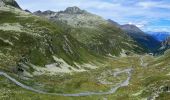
[95,32]
[27,10]
[73,16]
[2,3]
[9,2]
[74,10]
[131,29]
[166,43]
[48,14]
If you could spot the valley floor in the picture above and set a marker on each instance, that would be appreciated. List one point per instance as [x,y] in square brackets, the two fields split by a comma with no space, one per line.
[124,78]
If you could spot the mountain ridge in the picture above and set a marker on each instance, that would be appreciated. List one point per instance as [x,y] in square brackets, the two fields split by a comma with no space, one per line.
[160,36]
[9,2]
[93,31]
[145,40]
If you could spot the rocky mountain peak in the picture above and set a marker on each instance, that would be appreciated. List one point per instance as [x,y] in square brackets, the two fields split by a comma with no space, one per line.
[45,13]
[74,10]
[9,2]
[38,12]
[131,28]
[48,12]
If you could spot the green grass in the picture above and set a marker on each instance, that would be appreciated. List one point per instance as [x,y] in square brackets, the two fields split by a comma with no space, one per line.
[38,37]
[147,80]
[35,44]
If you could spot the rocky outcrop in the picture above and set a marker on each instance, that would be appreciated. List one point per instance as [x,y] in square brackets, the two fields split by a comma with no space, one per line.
[74,10]
[9,2]
[166,43]
[73,16]
[27,10]
[2,3]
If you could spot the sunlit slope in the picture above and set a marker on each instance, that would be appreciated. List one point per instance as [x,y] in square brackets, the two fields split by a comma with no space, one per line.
[27,41]
[93,31]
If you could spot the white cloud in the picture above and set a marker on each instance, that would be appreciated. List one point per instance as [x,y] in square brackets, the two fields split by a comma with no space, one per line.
[141,24]
[153,4]
[121,11]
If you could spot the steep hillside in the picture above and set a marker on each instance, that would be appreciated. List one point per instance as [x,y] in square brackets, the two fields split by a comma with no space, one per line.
[145,40]
[95,32]
[114,23]
[9,2]
[34,45]
[166,44]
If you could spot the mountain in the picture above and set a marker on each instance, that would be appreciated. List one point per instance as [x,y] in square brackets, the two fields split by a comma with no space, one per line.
[165,44]
[34,45]
[114,23]
[9,2]
[145,40]
[96,33]
[160,36]
[131,29]
[167,41]
[163,38]
[27,11]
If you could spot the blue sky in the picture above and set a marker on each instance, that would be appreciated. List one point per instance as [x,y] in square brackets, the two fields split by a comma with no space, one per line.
[149,15]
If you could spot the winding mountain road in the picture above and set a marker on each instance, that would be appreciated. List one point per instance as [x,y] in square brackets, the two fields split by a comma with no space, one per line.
[142,62]
[111,91]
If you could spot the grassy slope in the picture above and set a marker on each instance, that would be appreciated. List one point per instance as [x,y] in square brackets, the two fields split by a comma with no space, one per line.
[39,41]
[97,34]
[145,80]
[105,39]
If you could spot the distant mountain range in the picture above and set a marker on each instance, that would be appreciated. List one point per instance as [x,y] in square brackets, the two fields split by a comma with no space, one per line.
[145,40]
[160,36]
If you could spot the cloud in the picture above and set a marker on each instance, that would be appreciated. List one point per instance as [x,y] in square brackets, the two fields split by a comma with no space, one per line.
[153,4]
[140,12]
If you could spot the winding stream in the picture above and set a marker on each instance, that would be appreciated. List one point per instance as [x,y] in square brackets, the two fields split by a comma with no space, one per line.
[111,91]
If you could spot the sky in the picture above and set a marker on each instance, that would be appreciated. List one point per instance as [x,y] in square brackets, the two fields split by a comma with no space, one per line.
[149,15]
